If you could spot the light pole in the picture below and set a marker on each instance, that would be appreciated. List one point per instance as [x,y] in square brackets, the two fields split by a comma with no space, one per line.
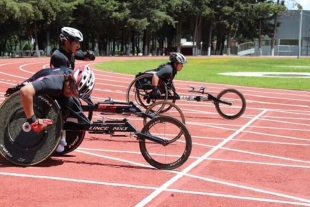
[299,39]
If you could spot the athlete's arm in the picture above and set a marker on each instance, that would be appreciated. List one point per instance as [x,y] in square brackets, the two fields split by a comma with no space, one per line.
[86,56]
[26,95]
[155,80]
[51,84]
[79,55]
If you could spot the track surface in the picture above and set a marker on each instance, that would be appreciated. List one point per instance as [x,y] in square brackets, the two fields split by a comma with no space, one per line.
[260,159]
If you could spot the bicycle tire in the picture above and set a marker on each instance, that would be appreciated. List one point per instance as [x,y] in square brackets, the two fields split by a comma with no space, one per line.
[150,157]
[219,106]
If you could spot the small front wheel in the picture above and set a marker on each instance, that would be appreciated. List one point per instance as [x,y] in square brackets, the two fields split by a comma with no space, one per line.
[177,149]
[231,104]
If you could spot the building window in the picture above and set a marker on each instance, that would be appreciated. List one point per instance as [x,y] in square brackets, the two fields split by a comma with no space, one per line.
[265,42]
[288,42]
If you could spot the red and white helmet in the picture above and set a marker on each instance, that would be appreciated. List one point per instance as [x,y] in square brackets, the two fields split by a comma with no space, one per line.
[85,80]
[71,34]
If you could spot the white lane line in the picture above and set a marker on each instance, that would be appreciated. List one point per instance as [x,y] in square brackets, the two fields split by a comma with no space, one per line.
[250,132]
[155,193]
[249,188]
[261,163]
[21,67]
[256,153]
[75,180]
[114,158]
[152,188]
[239,197]
[195,157]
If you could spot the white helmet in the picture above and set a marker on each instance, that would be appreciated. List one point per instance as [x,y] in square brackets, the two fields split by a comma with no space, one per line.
[85,80]
[71,34]
[177,57]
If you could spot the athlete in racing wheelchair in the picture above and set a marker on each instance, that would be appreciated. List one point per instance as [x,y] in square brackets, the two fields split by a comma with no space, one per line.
[33,122]
[167,71]
[61,84]
[156,84]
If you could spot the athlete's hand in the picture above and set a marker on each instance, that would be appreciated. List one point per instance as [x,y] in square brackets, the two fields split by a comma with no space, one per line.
[40,124]
[155,92]
[90,55]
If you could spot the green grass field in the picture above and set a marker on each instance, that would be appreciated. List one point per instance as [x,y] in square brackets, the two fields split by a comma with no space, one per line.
[207,69]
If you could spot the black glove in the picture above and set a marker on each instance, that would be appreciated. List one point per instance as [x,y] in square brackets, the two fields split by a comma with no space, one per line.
[90,55]
[155,92]
[12,90]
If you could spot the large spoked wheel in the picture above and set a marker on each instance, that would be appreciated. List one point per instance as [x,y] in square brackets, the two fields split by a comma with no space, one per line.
[172,96]
[139,91]
[158,109]
[178,149]
[18,143]
[73,138]
[237,101]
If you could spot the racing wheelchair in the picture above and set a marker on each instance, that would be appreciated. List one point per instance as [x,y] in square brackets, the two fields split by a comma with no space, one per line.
[164,142]
[229,103]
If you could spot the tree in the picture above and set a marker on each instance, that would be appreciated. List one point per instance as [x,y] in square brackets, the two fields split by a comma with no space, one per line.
[276,9]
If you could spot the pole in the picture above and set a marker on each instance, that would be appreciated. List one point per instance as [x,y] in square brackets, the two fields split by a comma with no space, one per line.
[299,40]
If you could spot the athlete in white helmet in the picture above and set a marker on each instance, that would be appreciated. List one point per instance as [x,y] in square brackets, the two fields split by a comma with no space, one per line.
[167,71]
[70,39]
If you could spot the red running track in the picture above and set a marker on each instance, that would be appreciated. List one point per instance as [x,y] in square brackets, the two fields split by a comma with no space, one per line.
[260,159]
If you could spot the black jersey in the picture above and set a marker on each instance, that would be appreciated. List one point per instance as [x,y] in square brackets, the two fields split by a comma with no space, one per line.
[166,72]
[61,58]
[50,82]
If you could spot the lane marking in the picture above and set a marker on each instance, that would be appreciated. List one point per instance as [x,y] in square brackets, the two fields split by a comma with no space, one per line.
[196,157]
[154,188]
[116,159]
[154,194]
[260,163]
[256,154]
[250,132]
[249,188]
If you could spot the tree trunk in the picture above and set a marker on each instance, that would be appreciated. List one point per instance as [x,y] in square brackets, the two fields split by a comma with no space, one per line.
[260,38]
[274,34]
[36,39]
[179,33]
[228,41]
[133,43]
[210,39]
[48,43]
[128,35]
